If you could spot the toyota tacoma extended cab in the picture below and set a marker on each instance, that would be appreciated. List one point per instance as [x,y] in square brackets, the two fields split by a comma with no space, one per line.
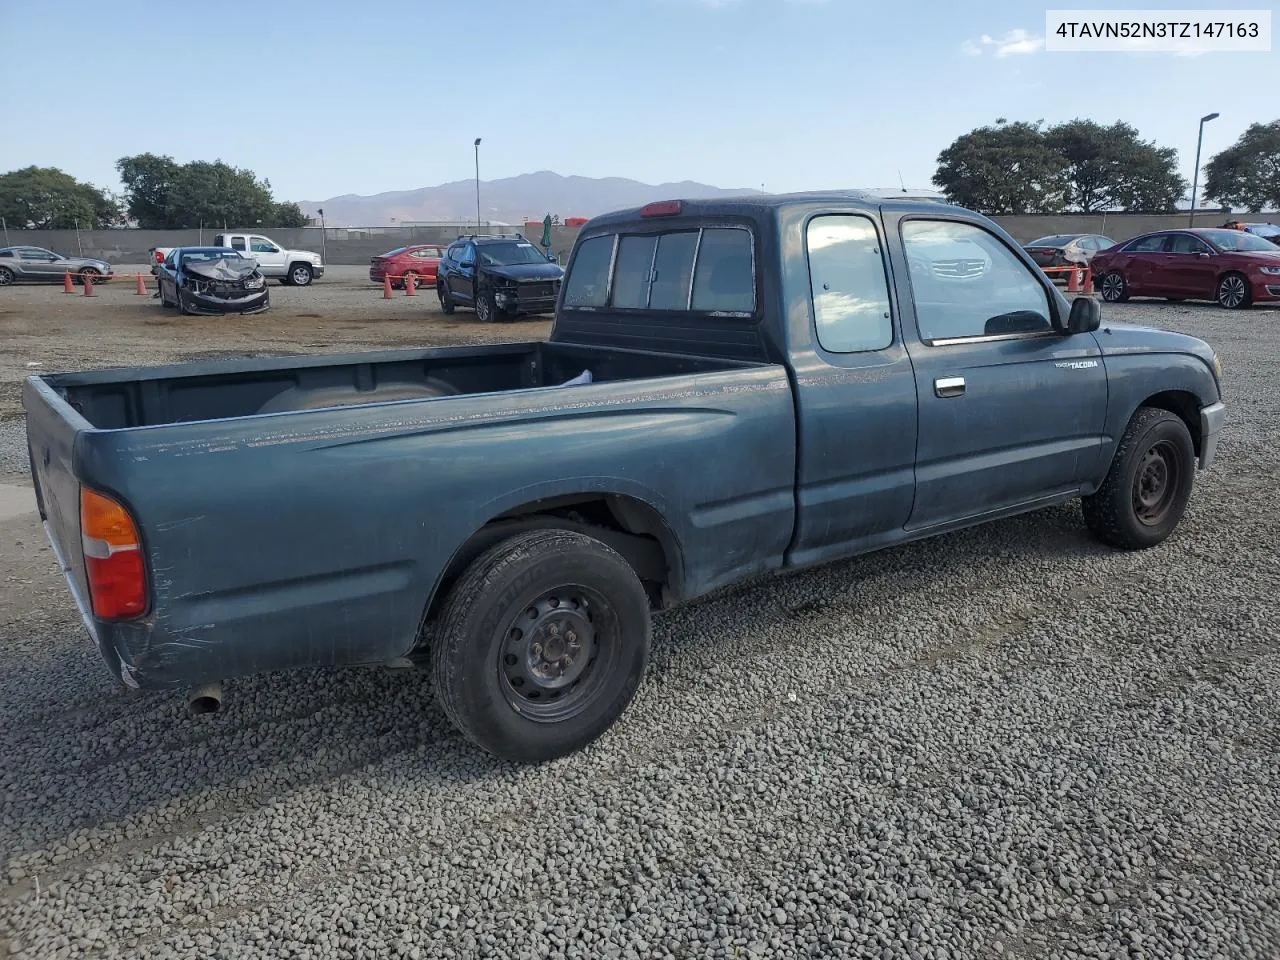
[731,387]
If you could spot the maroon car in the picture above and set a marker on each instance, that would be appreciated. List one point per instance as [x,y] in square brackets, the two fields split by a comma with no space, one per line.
[1229,266]
[421,260]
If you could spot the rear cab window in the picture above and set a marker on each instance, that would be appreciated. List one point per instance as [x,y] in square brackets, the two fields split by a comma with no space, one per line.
[688,268]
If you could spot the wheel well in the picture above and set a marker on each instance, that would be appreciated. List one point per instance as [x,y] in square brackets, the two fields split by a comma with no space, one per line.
[629,526]
[1182,404]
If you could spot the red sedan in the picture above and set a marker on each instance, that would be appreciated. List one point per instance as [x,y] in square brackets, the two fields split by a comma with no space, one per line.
[1229,266]
[421,260]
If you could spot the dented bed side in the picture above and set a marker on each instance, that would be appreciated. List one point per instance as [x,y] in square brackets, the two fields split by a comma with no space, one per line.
[317,537]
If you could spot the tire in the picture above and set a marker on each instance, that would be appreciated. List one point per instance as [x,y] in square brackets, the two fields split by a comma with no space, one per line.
[6,276]
[1146,490]
[1233,291]
[296,399]
[533,593]
[1113,287]
[486,309]
[300,274]
[182,307]
[446,298]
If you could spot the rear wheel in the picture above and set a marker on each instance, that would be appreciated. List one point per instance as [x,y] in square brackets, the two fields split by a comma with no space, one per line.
[541,645]
[1233,291]
[1146,490]
[1114,288]
[6,276]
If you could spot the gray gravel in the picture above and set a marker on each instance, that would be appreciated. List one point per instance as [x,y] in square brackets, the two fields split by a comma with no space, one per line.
[1005,742]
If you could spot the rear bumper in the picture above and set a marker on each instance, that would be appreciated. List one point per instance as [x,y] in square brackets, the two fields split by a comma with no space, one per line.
[1211,419]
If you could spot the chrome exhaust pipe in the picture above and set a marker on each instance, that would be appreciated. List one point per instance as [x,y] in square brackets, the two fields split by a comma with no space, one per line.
[206,698]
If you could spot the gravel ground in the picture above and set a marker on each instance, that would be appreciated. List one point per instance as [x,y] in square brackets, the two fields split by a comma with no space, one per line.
[1004,742]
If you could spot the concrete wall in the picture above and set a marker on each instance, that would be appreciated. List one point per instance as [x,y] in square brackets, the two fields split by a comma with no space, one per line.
[355,245]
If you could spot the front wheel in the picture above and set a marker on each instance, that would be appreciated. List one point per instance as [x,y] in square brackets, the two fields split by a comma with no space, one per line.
[486,309]
[1233,292]
[1146,490]
[300,274]
[541,645]
[1114,288]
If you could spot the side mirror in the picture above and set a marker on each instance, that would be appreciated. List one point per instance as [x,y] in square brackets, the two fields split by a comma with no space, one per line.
[1085,315]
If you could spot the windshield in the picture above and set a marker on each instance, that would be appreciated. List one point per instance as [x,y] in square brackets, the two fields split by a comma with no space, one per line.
[1237,241]
[198,256]
[509,253]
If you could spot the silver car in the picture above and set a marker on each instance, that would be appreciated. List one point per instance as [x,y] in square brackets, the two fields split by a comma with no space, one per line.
[37,263]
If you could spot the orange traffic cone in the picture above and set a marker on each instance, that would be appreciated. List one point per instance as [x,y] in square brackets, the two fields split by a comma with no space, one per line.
[1088,281]
[1073,281]
[409,287]
[142,287]
[386,286]
[67,285]
[88,284]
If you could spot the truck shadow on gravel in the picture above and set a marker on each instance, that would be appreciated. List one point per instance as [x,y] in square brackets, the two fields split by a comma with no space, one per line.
[83,754]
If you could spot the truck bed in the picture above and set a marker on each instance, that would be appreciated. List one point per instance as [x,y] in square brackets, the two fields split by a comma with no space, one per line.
[124,397]
[315,537]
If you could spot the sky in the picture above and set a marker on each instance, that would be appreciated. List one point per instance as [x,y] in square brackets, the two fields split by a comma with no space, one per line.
[329,97]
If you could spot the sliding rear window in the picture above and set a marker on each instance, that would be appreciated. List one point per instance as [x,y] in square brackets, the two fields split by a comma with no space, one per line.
[704,270]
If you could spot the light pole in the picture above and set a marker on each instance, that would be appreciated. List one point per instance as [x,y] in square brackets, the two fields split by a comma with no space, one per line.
[1195,175]
[323,259]
[477,145]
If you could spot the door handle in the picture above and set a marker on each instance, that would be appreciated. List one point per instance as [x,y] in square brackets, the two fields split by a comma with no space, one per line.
[949,386]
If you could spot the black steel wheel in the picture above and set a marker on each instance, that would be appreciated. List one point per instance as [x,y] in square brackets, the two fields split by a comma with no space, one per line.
[541,644]
[1113,286]
[1146,490]
[1233,291]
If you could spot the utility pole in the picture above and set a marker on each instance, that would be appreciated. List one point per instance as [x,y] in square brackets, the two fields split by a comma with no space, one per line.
[1195,176]
[477,146]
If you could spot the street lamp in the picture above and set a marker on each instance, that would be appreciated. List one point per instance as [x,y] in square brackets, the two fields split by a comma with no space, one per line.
[1195,176]
[477,145]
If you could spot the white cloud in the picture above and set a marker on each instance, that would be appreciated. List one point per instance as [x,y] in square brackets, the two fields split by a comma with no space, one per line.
[1010,44]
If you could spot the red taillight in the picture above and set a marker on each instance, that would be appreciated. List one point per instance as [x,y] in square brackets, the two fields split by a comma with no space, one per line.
[660,208]
[112,557]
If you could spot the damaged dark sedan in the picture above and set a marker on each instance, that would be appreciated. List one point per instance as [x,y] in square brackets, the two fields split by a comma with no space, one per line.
[211,280]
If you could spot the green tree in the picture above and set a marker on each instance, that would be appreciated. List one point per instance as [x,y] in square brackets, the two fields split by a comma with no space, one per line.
[147,179]
[49,199]
[1247,173]
[163,194]
[219,195]
[289,215]
[1109,168]
[1002,169]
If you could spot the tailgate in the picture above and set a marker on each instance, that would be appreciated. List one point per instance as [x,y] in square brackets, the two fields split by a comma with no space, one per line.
[52,428]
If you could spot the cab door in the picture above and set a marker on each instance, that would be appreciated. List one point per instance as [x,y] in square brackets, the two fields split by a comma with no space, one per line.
[1011,410]
[269,256]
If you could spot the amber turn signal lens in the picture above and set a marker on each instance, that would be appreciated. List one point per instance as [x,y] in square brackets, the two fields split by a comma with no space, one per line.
[112,557]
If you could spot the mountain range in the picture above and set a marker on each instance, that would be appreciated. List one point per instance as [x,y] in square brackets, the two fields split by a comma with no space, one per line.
[510,200]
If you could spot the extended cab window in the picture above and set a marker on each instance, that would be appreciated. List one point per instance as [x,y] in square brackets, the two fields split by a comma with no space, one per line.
[848,283]
[966,283]
[588,283]
[237,243]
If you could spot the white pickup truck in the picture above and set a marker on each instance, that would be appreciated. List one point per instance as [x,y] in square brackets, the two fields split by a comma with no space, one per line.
[296,267]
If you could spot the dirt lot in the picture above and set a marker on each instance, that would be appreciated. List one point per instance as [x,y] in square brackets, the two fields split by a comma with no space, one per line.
[1007,742]
[41,324]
